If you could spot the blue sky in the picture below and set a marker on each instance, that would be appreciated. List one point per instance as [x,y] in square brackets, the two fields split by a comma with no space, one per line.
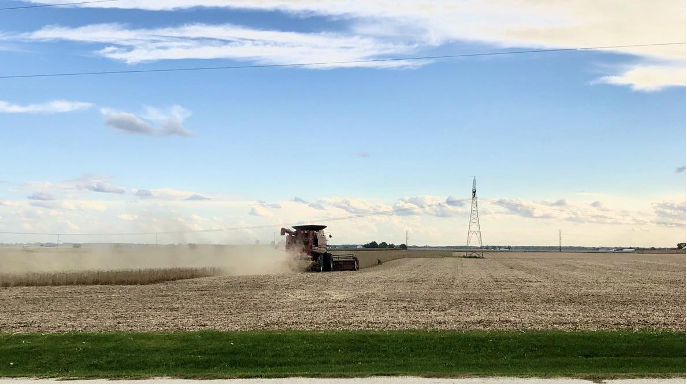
[583,127]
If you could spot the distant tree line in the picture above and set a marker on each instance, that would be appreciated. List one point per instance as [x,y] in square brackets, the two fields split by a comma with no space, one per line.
[384,245]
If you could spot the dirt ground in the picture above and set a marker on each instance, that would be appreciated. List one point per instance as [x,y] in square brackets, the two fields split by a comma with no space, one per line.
[509,290]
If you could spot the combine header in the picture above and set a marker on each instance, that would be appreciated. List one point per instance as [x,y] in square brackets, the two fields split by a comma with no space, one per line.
[309,242]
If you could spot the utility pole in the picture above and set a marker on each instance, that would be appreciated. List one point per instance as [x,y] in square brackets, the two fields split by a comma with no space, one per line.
[474,231]
[560,241]
[406,239]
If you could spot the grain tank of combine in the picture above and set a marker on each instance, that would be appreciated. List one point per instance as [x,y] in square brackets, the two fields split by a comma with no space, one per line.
[309,242]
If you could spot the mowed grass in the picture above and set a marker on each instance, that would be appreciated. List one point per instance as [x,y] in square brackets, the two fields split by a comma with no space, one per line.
[212,354]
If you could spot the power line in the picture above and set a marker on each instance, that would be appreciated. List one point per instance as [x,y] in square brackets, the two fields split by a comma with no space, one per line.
[55,5]
[329,63]
[224,229]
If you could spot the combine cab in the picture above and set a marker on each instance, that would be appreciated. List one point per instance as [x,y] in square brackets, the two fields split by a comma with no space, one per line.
[309,242]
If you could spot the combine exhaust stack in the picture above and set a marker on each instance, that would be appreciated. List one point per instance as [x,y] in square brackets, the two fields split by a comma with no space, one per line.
[309,242]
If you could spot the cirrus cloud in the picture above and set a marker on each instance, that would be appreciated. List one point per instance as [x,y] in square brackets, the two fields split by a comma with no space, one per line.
[51,107]
[228,41]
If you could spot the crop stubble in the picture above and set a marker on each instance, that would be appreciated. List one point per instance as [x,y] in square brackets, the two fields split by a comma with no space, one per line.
[506,291]
[107,277]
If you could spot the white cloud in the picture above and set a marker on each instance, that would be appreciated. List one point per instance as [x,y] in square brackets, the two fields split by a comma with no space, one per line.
[90,205]
[430,219]
[51,107]
[649,77]
[317,206]
[453,201]
[70,189]
[260,211]
[599,206]
[504,221]
[143,193]
[527,209]
[65,225]
[41,196]
[96,183]
[77,205]
[104,188]
[169,194]
[168,122]
[269,205]
[197,197]
[429,205]
[355,205]
[560,202]
[47,204]
[665,213]
[386,27]
[674,211]
[406,206]
[424,200]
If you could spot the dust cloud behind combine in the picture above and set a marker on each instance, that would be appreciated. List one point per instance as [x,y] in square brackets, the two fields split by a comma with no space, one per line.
[197,260]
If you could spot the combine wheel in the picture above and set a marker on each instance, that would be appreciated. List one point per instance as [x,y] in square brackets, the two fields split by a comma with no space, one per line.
[319,265]
[328,261]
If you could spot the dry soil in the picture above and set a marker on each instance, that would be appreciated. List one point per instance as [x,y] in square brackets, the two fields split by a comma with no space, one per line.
[508,291]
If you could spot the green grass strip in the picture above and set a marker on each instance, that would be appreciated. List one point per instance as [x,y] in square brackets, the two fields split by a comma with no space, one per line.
[212,354]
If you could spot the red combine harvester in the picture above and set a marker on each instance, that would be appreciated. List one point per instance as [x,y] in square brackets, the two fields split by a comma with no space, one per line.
[309,242]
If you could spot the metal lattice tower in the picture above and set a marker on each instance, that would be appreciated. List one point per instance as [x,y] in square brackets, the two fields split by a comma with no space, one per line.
[474,232]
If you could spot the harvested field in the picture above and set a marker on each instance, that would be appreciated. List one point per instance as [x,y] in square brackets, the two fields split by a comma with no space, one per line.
[108,277]
[508,291]
[369,258]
